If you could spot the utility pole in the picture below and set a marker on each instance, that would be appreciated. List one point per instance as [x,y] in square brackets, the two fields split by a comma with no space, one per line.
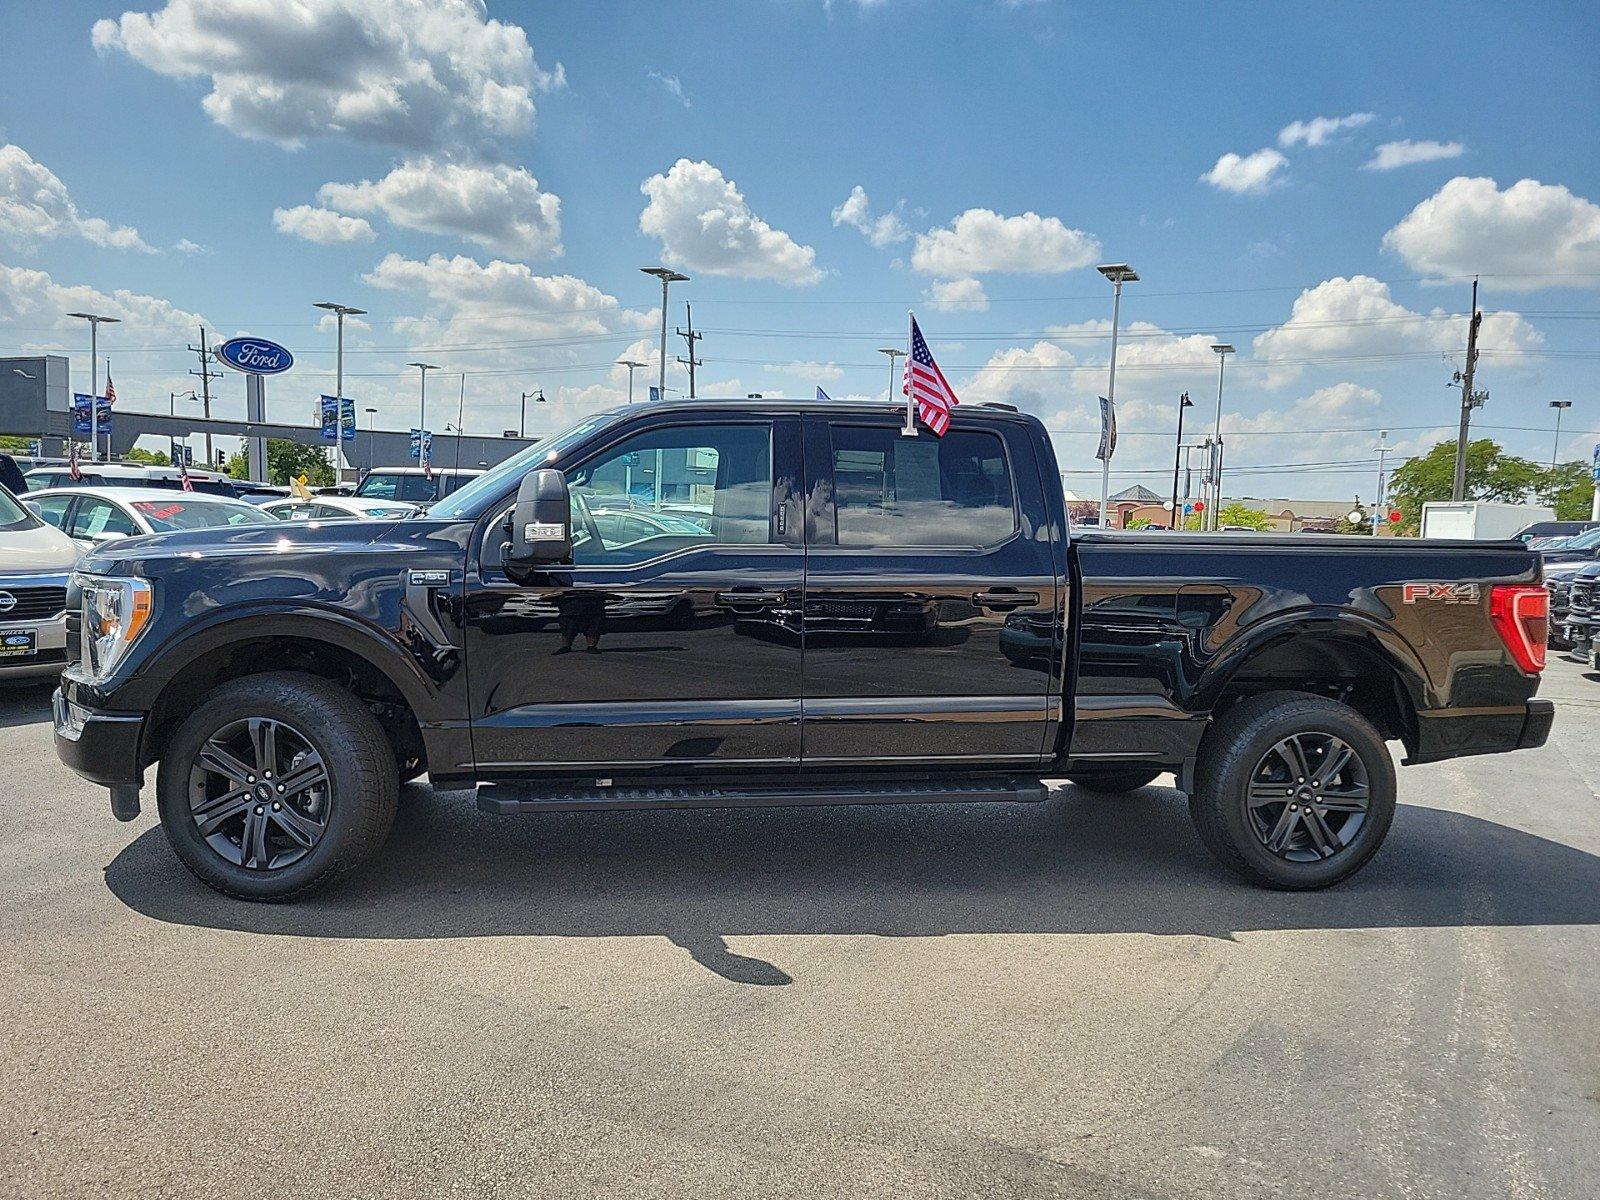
[1177,454]
[206,375]
[1380,510]
[1469,398]
[690,337]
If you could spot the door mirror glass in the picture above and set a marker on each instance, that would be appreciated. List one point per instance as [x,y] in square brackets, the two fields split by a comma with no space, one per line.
[541,522]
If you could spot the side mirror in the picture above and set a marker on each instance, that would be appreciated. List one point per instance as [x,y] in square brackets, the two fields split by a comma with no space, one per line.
[541,522]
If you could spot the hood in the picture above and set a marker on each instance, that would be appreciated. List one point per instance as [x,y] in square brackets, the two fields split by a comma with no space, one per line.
[1567,569]
[42,550]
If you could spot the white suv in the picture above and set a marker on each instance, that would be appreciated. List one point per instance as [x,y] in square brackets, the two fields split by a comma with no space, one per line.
[35,562]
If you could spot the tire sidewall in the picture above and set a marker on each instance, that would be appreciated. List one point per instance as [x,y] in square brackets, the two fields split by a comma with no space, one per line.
[172,798]
[1242,759]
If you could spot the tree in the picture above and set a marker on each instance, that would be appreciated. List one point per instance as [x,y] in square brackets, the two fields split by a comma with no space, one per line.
[287,460]
[1250,518]
[151,458]
[1569,489]
[1492,474]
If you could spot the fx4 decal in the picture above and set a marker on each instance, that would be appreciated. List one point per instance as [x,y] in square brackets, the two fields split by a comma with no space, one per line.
[1445,593]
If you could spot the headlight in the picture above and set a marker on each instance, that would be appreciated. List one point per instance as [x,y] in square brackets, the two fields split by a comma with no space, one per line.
[115,613]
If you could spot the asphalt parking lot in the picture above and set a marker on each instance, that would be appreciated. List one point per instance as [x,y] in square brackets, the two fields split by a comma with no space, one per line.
[1067,999]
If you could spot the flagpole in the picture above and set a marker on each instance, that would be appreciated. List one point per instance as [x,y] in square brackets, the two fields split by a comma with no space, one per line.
[909,429]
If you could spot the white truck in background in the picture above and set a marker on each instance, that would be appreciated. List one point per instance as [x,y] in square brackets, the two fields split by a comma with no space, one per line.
[1479,520]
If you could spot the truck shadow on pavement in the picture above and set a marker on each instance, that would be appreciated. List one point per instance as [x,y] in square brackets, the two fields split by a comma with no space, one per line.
[1078,864]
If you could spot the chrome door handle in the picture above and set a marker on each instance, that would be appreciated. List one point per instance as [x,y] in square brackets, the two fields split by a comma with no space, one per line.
[1003,599]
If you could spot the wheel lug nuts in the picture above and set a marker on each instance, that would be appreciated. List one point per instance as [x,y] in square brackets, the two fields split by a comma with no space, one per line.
[259,810]
[249,778]
[268,774]
[280,787]
[277,808]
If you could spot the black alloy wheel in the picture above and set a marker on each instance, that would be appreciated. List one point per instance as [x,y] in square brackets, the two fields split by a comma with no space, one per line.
[260,794]
[1307,797]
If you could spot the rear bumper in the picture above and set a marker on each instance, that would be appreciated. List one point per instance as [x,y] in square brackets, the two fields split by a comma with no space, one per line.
[1458,733]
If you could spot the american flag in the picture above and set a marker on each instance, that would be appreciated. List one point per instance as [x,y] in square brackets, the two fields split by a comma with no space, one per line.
[926,384]
[72,460]
[111,389]
[183,472]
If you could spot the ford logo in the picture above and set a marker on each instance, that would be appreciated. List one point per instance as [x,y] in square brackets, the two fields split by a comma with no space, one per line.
[7,602]
[255,356]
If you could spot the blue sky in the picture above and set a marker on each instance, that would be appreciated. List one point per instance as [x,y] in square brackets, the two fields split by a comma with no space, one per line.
[475,179]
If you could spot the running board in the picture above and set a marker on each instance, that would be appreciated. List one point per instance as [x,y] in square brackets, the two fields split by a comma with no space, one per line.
[522,798]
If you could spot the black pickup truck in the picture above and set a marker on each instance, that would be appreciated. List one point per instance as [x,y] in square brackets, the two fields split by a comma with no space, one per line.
[780,603]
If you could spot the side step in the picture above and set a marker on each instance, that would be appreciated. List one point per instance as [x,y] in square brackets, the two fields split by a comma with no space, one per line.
[524,798]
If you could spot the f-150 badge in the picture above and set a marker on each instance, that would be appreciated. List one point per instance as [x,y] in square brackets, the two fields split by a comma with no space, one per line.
[1445,593]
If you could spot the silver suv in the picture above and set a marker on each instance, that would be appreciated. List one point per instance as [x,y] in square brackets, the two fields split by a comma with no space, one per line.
[35,562]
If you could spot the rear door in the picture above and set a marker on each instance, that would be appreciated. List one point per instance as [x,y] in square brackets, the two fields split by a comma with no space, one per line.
[931,614]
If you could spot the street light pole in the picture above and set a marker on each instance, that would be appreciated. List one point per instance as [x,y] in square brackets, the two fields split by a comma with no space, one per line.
[538,398]
[340,312]
[1222,350]
[372,415]
[1380,510]
[422,411]
[668,277]
[893,352]
[1183,403]
[1555,450]
[95,321]
[1118,274]
[630,364]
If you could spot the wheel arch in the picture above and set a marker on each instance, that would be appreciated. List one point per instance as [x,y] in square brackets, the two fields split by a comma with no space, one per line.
[1348,656]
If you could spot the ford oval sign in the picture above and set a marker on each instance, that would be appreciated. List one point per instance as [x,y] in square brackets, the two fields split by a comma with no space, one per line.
[255,356]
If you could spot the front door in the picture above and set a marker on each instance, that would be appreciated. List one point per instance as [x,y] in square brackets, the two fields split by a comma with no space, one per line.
[672,641]
[932,614]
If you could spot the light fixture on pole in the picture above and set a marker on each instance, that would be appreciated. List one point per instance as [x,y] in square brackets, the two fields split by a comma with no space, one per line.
[372,414]
[422,411]
[538,398]
[1118,274]
[95,321]
[1381,508]
[1560,406]
[893,352]
[340,312]
[630,364]
[668,277]
[1221,350]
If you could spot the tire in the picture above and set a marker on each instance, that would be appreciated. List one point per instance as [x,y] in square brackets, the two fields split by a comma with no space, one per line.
[1128,780]
[355,798]
[1240,764]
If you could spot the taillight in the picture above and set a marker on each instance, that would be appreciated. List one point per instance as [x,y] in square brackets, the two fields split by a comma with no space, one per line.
[1521,616]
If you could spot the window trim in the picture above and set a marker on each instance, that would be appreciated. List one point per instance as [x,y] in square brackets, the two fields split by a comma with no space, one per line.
[832,423]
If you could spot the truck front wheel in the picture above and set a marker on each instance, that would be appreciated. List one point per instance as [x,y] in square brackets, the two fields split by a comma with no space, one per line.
[1293,791]
[275,785]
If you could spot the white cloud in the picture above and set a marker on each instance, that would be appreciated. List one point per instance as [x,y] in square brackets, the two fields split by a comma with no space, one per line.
[35,204]
[33,300]
[1247,175]
[704,224]
[185,246]
[1319,130]
[674,85]
[1534,230]
[959,295]
[1407,152]
[882,230]
[499,207]
[321,225]
[1358,318]
[980,241]
[815,372]
[417,73]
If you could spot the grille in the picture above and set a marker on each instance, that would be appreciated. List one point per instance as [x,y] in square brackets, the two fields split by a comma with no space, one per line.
[33,603]
[1581,597]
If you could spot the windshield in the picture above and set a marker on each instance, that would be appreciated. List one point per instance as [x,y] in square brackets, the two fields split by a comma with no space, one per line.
[392,485]
[1587,540]
[12,514]
[164,516]
[462,501]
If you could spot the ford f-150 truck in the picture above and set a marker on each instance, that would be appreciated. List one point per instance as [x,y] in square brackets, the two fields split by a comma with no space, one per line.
[819,609]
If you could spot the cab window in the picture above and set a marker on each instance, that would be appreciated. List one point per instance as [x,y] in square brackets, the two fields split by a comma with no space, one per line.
[95,518]
[891,491]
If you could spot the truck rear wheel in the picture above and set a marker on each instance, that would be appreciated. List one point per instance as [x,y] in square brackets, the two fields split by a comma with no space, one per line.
[1293,791]
[275,785]
[1127,780]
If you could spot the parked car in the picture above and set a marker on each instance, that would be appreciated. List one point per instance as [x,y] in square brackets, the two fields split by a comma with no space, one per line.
[1581,547]
[97,474]
[331,660]
[1558,579]
[411,483]
[338,508]
[259,493]
[35,562]
[1581,621]
[91,515]
[1545,529]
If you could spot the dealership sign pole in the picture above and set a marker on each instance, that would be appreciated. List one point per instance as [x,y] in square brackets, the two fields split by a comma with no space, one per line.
[256,358]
